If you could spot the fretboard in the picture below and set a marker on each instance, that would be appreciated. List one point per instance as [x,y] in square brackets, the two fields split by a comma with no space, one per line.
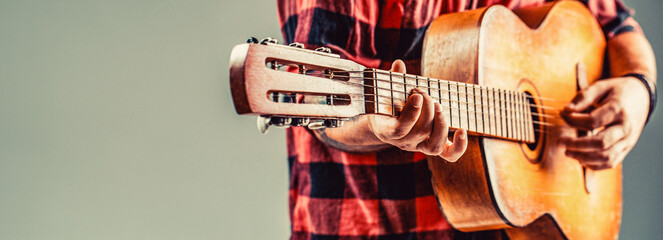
[480,110]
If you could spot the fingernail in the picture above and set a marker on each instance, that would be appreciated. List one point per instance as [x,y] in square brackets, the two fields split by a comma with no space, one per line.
[438,109]
[418,100]
[462,135]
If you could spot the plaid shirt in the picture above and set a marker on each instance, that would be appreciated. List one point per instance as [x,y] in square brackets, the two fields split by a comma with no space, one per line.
[386,194]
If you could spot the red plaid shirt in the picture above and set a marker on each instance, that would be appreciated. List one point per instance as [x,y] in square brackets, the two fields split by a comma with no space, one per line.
[386,194]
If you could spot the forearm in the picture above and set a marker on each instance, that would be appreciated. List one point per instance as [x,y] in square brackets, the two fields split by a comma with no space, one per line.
[631,53]
[354,136]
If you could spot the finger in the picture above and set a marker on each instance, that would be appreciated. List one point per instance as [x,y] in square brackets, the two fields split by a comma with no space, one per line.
[405,121]
[598,160]
[593,160]
[587,97]
[423,128]
[601,141]
[453,151]
[398,66]
[434,145]
[606,114]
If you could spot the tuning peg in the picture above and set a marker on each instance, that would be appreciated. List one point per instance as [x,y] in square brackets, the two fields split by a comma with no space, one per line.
[281,122]
[316,124]
[269,40]
[263,123]
[323,49]
[298,122]
[333,123]
[252,40]
[297,45]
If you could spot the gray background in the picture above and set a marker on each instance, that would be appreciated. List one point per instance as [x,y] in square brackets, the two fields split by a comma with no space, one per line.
[116,122]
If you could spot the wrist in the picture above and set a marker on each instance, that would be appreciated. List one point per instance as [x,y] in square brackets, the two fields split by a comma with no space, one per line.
[651,89]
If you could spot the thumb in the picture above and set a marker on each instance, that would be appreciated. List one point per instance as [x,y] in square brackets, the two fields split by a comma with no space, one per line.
[398,66]
[587,97]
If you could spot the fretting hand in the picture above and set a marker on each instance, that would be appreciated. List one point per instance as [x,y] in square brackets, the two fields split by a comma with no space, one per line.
[421,126]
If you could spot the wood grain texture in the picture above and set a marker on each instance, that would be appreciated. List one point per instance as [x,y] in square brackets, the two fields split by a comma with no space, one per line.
[494,47]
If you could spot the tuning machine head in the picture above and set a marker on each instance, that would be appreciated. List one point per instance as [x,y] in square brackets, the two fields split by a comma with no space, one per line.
[252,40]
[323,49]
[264,122]
[269,40]
[297,45]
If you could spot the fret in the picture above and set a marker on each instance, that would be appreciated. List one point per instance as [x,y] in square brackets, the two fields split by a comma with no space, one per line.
[451,119]
[512,115]
[530,119]
[428,84]
[503,113]
[369,82]
[391,93]
[514,121]
[460,116]
[476,112]
[393,90]
[405,86]
[518,117]
[521,117]
[507,124]
[445,103]
[486,102]
[439,92]
[526,117]
[481,110]
[412,82]
[382,81]
[377,94]
[496,111]
[467,109]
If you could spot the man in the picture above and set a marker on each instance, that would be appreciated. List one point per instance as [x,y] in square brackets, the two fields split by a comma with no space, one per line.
[369,179]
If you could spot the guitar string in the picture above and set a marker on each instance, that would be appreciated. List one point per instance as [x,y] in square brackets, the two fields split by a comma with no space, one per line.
[507,111]
[468,104]
[415,77]
[332,77]
[479,111]
[436,89]
[420,78]
[459,94]
[504,118]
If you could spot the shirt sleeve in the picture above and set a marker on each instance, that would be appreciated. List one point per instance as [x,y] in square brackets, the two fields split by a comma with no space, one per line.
[614,16]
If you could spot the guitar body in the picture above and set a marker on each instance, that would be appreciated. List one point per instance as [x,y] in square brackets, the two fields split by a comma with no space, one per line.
[506,184]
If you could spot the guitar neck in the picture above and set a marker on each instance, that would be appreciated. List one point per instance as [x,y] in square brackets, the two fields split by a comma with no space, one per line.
[481,110]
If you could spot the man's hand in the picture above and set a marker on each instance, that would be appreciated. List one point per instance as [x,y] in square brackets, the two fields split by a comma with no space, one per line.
[420,127]
[621,105]
[621,109]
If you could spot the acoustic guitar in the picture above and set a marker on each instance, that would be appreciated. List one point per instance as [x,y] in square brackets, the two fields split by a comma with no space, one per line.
[503,76]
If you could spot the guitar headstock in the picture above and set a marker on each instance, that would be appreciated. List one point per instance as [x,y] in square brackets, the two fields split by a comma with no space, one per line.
[294,86]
